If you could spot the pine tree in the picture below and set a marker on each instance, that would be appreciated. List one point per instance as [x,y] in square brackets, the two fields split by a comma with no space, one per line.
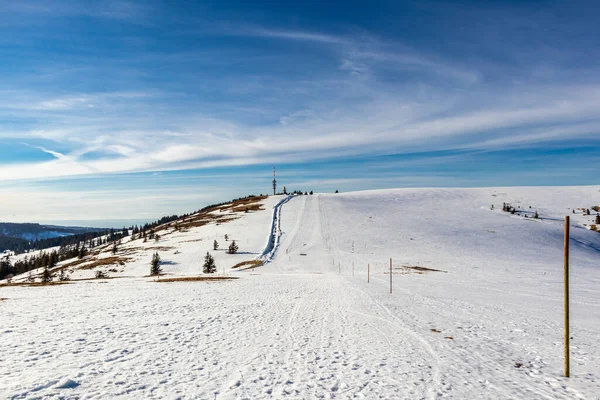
[536,216]
[155,268]
[311,192]
[114,249]
[82,252]
[63,275]
[233,248]
[226,237]
[215,245]
[598,218]
[209,266]
[46,275]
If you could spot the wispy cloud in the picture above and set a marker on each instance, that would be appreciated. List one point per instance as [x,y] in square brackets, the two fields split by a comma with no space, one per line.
[272,94]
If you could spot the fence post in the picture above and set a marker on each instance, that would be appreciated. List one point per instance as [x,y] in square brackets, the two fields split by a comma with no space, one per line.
[390,276]
[566,279]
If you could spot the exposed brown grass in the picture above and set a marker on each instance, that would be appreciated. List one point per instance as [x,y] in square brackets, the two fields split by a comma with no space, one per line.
[206,217]
[98,279]
[416,269]
[113,260]
[198,279]
[35,284]
[593,228]
[249,207]
[74,264]
[596,208]
[160,248]
[3,298]
[249,264]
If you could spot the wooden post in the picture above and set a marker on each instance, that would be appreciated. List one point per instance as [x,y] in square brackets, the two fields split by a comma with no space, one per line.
[567,337]
[368,273]
[390,276]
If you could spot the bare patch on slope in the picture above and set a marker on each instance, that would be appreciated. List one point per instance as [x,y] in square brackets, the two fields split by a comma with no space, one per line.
[198,279]
[248,264]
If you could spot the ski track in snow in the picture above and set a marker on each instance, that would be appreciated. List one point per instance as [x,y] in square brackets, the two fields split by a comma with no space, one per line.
[298,328]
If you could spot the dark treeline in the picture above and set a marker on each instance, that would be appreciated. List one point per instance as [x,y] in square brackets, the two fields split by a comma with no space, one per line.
[49,259]
[21,245]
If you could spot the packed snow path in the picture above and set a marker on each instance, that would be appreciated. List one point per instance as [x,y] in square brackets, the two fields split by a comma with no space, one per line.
[304,326]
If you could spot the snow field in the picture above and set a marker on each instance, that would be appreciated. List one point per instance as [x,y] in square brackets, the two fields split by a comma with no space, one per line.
[488,327]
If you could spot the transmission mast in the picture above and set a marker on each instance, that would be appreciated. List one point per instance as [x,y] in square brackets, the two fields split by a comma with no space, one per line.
[274,183]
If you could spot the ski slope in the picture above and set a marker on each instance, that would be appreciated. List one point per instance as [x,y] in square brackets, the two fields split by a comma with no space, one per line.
[486,324]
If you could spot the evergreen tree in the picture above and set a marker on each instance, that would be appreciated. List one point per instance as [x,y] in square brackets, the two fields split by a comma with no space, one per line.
[209,266]
[311,192]
[82,252]
[115,249]
[46,275]
[215,245]
[536,216]
[63,275]
[155,268]
[226,237]
[233,248]
[6,269]
[598,218]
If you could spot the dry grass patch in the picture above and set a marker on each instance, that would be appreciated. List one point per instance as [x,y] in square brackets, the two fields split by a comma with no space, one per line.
[413,269]
[74,264]
[593,228]
[250,207]
[248,264]
[53,283]
[113,260]
[160,248]
[198,279]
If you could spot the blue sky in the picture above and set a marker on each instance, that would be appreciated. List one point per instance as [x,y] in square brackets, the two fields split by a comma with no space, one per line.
[136,109]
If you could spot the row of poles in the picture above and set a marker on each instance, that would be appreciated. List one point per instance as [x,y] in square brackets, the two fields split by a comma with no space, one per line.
[567,355]
[369,273]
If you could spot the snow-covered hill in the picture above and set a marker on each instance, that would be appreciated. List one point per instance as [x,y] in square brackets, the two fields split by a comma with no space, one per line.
[476,308]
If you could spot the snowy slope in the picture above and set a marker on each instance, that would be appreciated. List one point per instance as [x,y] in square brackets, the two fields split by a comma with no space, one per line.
[487,324]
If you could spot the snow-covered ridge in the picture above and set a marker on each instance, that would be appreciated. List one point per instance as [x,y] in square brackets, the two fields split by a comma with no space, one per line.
[308,325]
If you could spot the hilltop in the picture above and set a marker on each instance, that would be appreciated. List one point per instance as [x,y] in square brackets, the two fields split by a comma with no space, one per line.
[475,312]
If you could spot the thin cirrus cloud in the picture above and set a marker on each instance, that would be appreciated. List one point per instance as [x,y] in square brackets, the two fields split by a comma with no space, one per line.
[232,94]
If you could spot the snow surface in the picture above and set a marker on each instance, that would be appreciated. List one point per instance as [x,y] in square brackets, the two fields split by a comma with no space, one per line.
[487,325]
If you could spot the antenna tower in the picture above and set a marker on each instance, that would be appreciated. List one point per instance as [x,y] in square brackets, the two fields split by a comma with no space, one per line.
[274,182]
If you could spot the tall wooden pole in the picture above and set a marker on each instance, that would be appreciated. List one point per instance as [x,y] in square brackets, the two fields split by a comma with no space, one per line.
[368,273]
[567,337]
[390,276]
